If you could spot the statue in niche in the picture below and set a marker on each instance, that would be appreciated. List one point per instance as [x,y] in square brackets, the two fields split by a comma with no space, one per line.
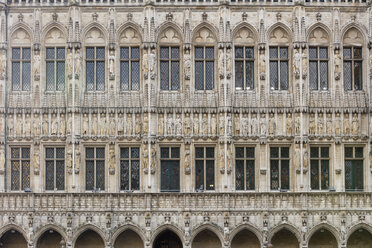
[320,124]
[2,64]
[178,125]
[129,124]
[145,63]
[69,159]
[69,61]
[120,125]
[288,124]
[145,124]
[62,125]
[228,63]
[338,124]
[36,61]
[245,125]
[10,125]
[297,158]
[28,125]
[54,127]
[254,125]
[297,123]
[112,64]
[77,160]
[169,124]
[196,124]
[221,124]
[2,124]
[78,62]
[36,125]
[152,61]
[312,124]
[85,124]
[228,159]
[69,123]
[229,125]
[296,63]
[187,65]
[138,125]
[2,161]
[205,124]
[304,64]
[187,125]
[263,124]
[187,160]
[161,125]
[221,63]
[112,126]
[102,125]
[45,125]
[338,62]
[262,64]
[112,159]
[214,124]
[36,161]
[19,125]
[329,124]
[272,124]
[145,156]
[222,158]
[153,159]
[236,124]
[355,124]
[346,124]
[305,160]
[94,130]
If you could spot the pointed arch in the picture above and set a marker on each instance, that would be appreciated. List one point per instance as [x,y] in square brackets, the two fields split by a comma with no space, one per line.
[323,28]
[244,25]
[214,228]
[170,26]
[271,31]
[326,226]
[21,26]
[286,226]
[59,229]
[54,25]
[130,227]
[170,227]
[358,226]
[248,227]
[15,227]
[359,27]
[20,35]
[97,30]
[129,25]
[88,227]
[205,27]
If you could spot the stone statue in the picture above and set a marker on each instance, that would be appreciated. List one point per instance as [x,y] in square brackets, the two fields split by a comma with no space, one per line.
[297,158]
[229,125]
[36,125]
[213,124]
[85,125]
[111,64]
[112,159]
[2,124]
[272,124]
[153,159]
[305,160]
[2,161]
[19,125]
[45,125]
[312,124]
[69,62]
[296,63]
[112,126]
[245,125]
[187,161]
[10,125]
[145,156]
[178,125]
[145,124]
[69,159]
[145,63]
[152,62]
[320,125]
[36,161]
[263,124]
[236,124]
[355,125]
[77,160]
[346,124]
[228,63]
[36,60]
[161,125]
[222,158]
[297,123]
[120,125]
[329,124]
[254,125]
[2,64]
[221,63]
[288,124]
[69,124]
[94,129]
[169,125]
[337,62]
[54,127]
[187,65]
[205,124]
[221,124]
[28,125]
[187,125]
[62,125]
[103,125]
[78,61]
[304,64]
[262,64]
[338,124]
[196,124]
[129,124]
[138,125]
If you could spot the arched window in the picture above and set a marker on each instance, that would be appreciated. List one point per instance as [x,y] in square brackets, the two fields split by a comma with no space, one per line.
[95,60]
[21,60]
[129,59]
[279,59]
[204,49]
[318,59]
[353,60]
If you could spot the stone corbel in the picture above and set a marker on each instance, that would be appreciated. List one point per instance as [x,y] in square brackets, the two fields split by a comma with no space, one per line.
[261,46]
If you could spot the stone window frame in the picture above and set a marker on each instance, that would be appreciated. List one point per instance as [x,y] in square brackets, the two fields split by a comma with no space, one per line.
[330,165]
[291,176]
[55,61]
[319,60]
[9,169]
[180,66]
[179,159]
[83,156]
[204,146]
[256,166]
[364,170]
[21,61]
[54,147]
[140,158]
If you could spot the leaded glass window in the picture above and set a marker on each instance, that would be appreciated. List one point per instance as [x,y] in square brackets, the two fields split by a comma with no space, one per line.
[129,68]
[20,168]
[55,168]
[319,168]
[55,68]
[354,157]
[169,68]
[129,168]
[95,68]
[204,168]
[244,168]
[244,67]
[279,79]
[279,168]
[204,68]
[170,169]
[21,69]
[318,68]
[353,64]
[95,168]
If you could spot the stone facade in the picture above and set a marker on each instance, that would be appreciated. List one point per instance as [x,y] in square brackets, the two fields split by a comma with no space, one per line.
[300,205]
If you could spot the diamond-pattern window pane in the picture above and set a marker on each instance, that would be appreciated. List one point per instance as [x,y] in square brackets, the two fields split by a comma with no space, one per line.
[175,75]
[359,152]
[60,175]
[199,175]
[249,70]
[323,52]
[25,153]
[49,177]
[199,152]
[175,152]
[49,153]
[358,75]
[164,152]
[274,152]
[325,174]
[209,52]
[175,53]
[239,152]
[135,53]
[135,174]
[274,75]
[16,53]
[250,175]
[209,75]
[249,52]
[124,53]
[16,73]
[124,175]
[314,170]
[164,75]
[324,75]
[209,152]
[26,53]
[273,52]
[15,175]
[100,153]
[313,75]
[239,174]
[124,75]
[124,152]
[239,74]
[199,75]
[250,152]
[49,53]
[15,153]
[100,175]
[209,175]
[135,152]
[49,75]
[313,53]
[199,53]
[284,53]
[239,52]
[61,53]
[60,75]
[357,53]
[284,174]
[164,52]
[25,174]
[90,75]
[274,174]
[26,76]
[284,75]
[60,152]
[89,175]
[89,153]
[135,72]
[90,53]
[347,53]
[100,76]
[347,75]
[100,53]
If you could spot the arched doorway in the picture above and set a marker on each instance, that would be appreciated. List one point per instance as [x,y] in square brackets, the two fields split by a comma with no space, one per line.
[284,239]
[167,239]
[49,239]
[13,239]
[323,239]
[89,239]
[206,239]
[360,238]
[128,239]
[245,239]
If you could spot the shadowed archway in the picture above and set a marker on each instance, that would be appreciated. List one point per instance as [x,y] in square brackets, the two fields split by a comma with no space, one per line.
[245,239]
[13,239]
[167,239]
[323,238]
[284,239]
[50,239]
[360,238]
[89,239]
[206,239]
[128,239]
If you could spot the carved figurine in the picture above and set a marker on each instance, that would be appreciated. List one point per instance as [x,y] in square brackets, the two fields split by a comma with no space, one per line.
[337,62]
[103,125]
[145,124]
[329,124]
[78,61]
[112,158]
[304,64]
[2,64]
[272,124]
[69,62]
[152,62]
[346,124]
[2,161]
[111,63]
[10,125]
[54,127]
[254,125]
[221,63]
[120,125]
[138,125]
[45,125]
[94,130]
[129,124]
[312,124]
[19,125]
[178,125]
[296,63]
[213,124]
[170,125]
[262,64]
[112,125]
[36,125]
[187,65]
[62,125]
[187,125]
[187,161]
[355,125]
[320,125]
[221,124]
[288,124]
[338,124]
[297,123]
[161,125]
[205,124]
[85,125]
[222,158]
[297,157]
[229,125]
[196,124]
[228,63]
[36,60]
[263,124]
[36,160]
[145,63]
[245,125]
[153,159]
[69,124]
[145,156]
[28,125]
[236,124]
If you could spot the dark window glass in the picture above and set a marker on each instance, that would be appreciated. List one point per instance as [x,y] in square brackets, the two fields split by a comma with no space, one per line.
[170,169]
[95,68]
[95,168]
[21,69]
[353,69]
[244,67]
[204,168]
[318,68]
[319,168]
[279,168]
[20,168]
[129,68]
[204,68]
[129,168]
[169,68]
[55,168]
[354,176]
[244,168]
[279,78]
[55,68]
